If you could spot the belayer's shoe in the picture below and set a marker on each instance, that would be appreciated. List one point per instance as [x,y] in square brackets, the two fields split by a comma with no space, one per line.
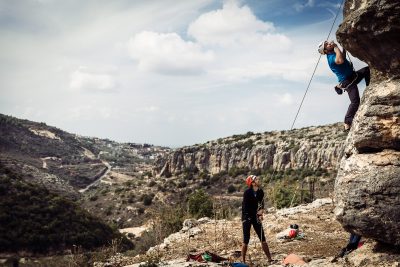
[347,127]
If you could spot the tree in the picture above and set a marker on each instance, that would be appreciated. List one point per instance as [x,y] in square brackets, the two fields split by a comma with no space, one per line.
[200,204]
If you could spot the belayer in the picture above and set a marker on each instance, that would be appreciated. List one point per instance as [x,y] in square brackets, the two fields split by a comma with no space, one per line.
[348,78]
[252,214]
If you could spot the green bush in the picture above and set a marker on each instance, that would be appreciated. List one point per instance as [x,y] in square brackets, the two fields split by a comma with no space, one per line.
[283,197]
[147,200]
[118,190]
[231,189]
[93,198]
[234,171]
[108,210]
[200,204]
[204,175]
[182,184]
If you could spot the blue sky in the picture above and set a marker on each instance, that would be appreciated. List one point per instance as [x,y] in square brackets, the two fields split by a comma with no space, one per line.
[167,72]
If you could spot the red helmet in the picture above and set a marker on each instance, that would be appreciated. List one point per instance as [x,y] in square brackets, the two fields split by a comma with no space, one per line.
[250,179]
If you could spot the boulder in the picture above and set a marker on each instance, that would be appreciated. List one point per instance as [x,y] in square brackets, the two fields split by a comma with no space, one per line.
[367,187]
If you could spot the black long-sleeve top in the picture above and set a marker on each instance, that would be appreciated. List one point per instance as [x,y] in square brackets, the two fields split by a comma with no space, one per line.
[252,202]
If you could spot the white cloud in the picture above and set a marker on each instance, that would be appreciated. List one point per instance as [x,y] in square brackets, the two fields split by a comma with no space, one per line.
[168,53]
[92,111]
[93,80]
[235,25]
[148,109]
[286,99]
[245,47]
[231,44]
[300,7]
[276,69]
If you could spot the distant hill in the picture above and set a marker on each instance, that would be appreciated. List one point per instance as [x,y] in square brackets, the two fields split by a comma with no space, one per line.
[49,155]
[60,160]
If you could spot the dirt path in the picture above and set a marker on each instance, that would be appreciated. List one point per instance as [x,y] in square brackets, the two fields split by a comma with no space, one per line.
[99,179]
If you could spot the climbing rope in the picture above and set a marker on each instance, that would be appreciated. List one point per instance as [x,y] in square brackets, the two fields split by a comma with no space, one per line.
[309,83]
[315,69]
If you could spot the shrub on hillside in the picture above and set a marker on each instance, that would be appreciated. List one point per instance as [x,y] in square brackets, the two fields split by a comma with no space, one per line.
[147,200]
[93,198]
[231,189]
[200,204]
[284,196]
[182,184]
[234,171]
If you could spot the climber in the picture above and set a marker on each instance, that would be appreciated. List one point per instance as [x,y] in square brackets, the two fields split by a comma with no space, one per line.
[252,214]
[348,78]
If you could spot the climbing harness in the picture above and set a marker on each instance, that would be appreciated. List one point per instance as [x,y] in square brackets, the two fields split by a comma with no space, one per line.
[346,84]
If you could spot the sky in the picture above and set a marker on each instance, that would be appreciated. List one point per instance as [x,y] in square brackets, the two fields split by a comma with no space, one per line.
[168,72]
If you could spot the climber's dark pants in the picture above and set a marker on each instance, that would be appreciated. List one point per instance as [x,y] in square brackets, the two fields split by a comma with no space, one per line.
[354,103]
[257,227]
[353,93]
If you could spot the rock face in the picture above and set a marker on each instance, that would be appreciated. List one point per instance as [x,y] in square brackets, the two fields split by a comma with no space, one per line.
[312,147]
[367,188]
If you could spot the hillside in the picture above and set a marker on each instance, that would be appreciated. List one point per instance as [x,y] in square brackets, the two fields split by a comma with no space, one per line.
[43,170]
[53,157]
[34,220]
[120,181]
[62,161]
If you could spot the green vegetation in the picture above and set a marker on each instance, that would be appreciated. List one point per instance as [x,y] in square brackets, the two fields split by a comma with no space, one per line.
[296,186]
[147,200]
[182,184]
[152,183]
[237,137]
[231,189]
[166,220]
[234,171]
[36,220]
[200,204]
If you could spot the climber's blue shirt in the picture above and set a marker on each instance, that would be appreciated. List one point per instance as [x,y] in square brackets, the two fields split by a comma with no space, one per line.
[342,71]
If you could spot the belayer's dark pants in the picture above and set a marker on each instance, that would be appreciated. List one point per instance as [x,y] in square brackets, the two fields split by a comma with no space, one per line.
[257,227]
[353,93]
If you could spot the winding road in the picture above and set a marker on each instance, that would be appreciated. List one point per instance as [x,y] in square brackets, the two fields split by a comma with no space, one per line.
[99,179]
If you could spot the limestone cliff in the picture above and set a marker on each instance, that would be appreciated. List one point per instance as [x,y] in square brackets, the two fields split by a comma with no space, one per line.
[312,147]
[367,188]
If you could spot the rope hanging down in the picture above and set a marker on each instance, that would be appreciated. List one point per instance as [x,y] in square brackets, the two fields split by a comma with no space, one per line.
[315,69]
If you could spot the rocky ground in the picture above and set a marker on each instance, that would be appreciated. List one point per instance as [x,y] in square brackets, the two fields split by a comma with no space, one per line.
[324,237]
